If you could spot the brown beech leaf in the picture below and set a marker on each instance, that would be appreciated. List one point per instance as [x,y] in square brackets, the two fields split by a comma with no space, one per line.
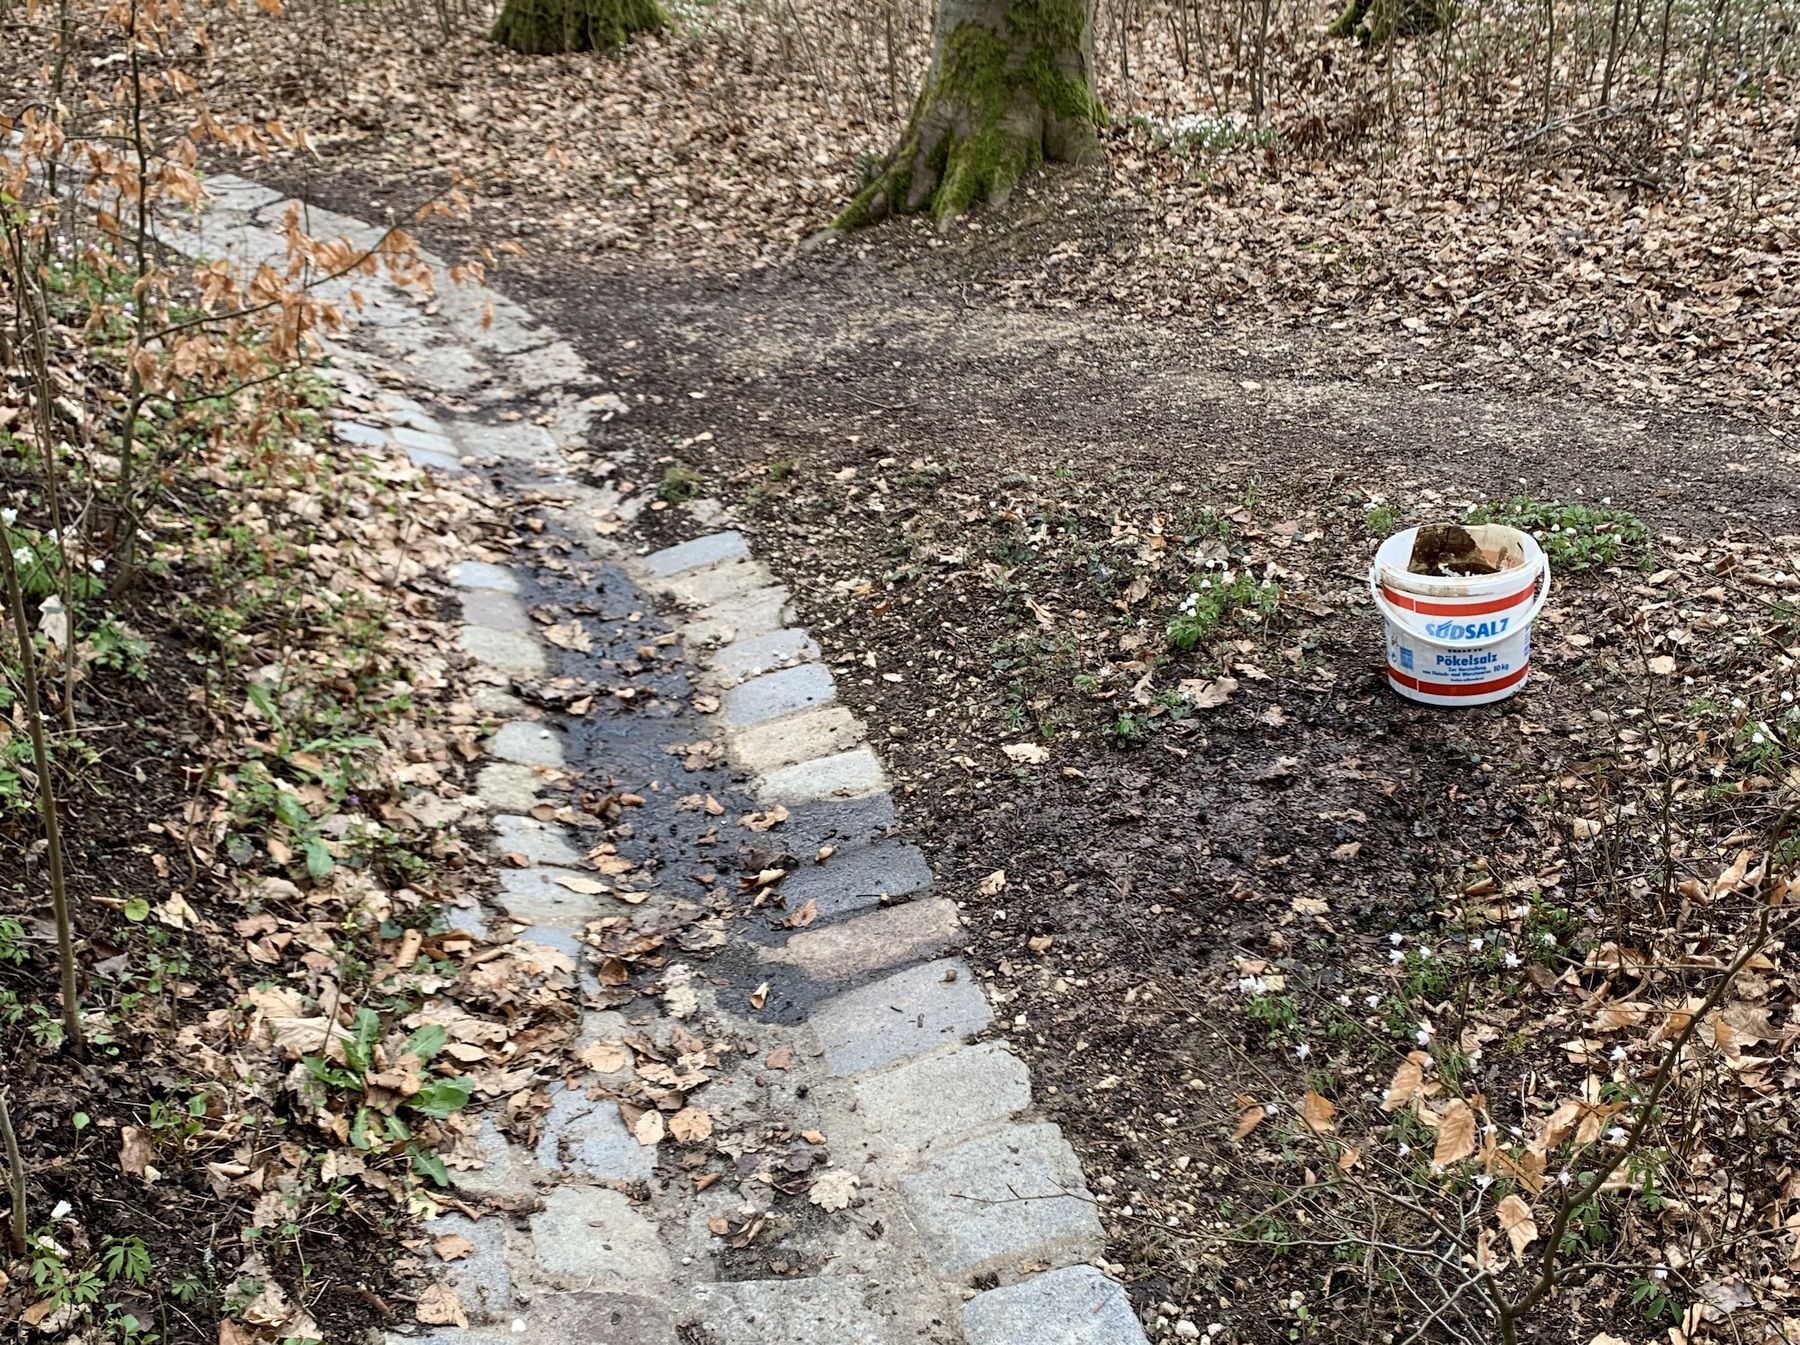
[780,1058]
[1456,1134]
[1407,1082]
[452,1247]
[1317,1111]
[649,1129]
[439,1305]
[1517,1223]
[690,1125]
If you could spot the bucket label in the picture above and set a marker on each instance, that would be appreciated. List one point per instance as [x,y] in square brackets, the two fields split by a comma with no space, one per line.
[1468,630]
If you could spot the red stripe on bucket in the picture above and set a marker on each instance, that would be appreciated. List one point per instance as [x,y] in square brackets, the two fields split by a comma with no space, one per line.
[1426,608]
[1412,683]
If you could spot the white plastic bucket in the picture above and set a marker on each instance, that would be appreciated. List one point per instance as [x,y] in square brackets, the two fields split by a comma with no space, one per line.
[1459,639]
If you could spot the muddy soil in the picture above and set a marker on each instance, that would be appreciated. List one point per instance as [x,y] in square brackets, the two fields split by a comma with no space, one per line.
[1135,871]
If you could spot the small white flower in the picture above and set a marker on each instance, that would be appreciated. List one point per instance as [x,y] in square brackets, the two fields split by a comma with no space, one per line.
[1476,944]
[1737,702]
[1344,1000]
[1512,959]
[1405,1149]
[1564,1178]
[1396,939]
[1424,952]
[1395,955]
[1302,1051]
[1268,1109]
[61,1210]
[11,516]
[1521,911]
[22,554]
[98,564]
[1618,1053]
[1484,1181]
[1372,1000]
[1548,937]
[1661,1272]
[1616,1135]
[1514,1131]
[1423,1036]
[1787,697]
[1758,739]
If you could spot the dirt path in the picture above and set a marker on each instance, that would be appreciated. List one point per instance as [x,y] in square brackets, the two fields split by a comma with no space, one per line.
[925,467]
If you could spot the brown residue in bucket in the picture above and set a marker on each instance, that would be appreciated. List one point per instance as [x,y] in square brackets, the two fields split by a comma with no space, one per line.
[1447,548]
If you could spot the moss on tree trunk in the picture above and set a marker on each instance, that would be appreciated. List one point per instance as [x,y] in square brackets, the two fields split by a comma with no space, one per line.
[1377,21]
[540,27]
[1009,87]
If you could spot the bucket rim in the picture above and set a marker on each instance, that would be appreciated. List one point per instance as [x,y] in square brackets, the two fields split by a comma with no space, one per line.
[1392,555]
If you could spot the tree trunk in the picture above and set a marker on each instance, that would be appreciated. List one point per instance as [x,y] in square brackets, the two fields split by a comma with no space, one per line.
[1376,22]
[541,27]
[1010,86]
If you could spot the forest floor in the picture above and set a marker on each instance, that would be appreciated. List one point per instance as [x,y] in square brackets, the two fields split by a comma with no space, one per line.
[1244,875]
[987,515]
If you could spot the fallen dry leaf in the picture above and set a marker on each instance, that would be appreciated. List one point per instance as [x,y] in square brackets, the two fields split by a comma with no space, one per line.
[992,885]
[452,1247]
[604,1057]
[1204,694]
[833,1190]
[780,1058]
[1317,1111]
[1404,1087]
[1456,1134]
[1027,754]
[690,1125]
[1516,1221]
[440,1305]
[649,1129]
[136,1153]
[576,882]
[759,996]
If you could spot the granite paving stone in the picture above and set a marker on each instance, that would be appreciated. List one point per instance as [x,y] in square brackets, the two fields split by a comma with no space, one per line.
[591,1237]
[800,737]
[744,659]
[429,442]
[756,613]
[873,942]
[481,1279]
[509,651]
[847,775]
[857,876]
[776,694]
[506,787]
[505,1171]
[589,1137]
[1000,1200]
[709,550]
[818,1310]
[527,743]
[481,574]
[499,611]
[713,584]
[913,1011]
[354,432]
[548,367]
[540,842]
[1073,1306]
[534,895]
[944,1095]
[520,439]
